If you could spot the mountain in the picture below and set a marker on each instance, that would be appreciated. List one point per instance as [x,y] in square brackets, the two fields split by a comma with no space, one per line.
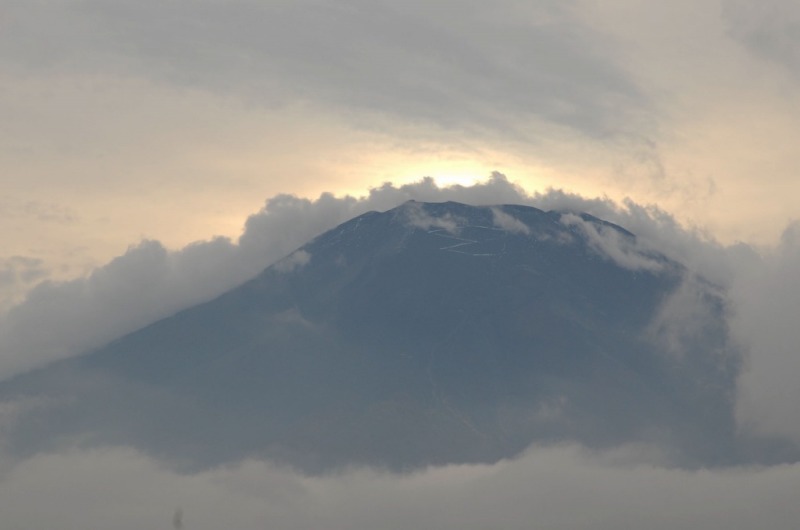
[427,334]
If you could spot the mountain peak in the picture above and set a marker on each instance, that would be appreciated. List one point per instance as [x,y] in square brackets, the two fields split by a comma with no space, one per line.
[429,333]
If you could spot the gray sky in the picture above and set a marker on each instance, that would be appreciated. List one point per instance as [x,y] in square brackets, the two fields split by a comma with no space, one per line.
[133,132]
[175,120]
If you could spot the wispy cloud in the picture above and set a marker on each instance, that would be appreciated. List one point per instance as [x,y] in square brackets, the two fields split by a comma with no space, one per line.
[418,217]
[508,222]
[612,244]
[452,64]
[293,261]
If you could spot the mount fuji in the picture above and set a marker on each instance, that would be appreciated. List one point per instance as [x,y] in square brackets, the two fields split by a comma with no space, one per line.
[431,333]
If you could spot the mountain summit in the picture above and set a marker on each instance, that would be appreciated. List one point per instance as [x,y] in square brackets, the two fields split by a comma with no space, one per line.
[427,334]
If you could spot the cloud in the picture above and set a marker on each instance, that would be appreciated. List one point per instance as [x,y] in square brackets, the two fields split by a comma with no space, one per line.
[767,28]
[612,244]
[52,213]
[17,275]
[293,261]
[689,318]
[508,222]
[146,283]
[418,217]
[767,301]
[548,488]
[455,65]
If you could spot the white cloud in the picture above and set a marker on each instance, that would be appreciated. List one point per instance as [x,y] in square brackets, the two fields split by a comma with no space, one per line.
[147,283]
[418,217]
[508,222]
[613,245]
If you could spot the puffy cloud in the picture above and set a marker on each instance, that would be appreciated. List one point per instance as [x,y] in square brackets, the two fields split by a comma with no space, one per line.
[549,488]
[148,282]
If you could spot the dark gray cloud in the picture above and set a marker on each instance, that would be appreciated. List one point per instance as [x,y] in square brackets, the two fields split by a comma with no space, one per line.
[502,69]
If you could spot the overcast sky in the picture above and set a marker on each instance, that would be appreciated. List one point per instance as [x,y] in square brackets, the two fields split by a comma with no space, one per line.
[134,132]
[174,120]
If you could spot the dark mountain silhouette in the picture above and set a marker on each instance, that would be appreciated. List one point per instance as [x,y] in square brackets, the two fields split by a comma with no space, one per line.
[428,334]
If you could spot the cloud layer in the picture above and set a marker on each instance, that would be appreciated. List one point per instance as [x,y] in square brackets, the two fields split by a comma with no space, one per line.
[549,488]
[435,62]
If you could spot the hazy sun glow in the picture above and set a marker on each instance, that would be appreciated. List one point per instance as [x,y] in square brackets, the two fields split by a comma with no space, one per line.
[464,173]
[446,166]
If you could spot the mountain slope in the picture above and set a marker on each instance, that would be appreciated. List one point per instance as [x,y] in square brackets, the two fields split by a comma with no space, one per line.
[430,333]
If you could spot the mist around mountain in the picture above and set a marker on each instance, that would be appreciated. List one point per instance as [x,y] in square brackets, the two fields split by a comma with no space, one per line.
[429,334]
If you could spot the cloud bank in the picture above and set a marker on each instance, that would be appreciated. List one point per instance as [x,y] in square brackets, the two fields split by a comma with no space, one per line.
[548,488]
